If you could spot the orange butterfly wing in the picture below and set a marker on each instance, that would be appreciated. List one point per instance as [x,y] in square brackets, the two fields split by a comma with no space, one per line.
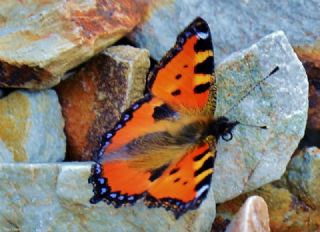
[184,184]
[115,181]
[183,77]
[179,86]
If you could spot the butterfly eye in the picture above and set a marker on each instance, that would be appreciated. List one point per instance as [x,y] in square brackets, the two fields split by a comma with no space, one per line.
[227,136]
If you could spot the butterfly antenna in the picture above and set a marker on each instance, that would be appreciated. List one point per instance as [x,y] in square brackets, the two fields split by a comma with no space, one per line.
[250,90]
[255,126]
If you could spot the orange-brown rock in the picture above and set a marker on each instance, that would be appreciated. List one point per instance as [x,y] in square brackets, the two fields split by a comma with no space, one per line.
[93,99]
[41,40]
[310,57]
[287,212]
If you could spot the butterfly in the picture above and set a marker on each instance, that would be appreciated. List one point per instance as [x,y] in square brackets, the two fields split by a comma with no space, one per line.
[163,147]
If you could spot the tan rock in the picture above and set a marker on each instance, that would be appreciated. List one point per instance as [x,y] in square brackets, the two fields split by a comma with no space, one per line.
[31,127]
[55,197]
[252,217]
[93,99]
[41,40]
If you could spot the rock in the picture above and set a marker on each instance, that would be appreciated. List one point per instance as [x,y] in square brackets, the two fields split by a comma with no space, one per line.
[93,99]
[258,156]
[303,174]
[31,127]
[287,212]
[253,216]
[234,24]
[55,197]
[41,40]
[310,57]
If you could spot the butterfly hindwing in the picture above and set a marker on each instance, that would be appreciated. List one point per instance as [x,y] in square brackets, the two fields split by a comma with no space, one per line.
[183,77]
[184,184]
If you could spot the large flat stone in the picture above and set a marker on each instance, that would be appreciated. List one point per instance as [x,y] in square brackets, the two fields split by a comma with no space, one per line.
[257,156]
[55,197]
[41,40]
[31,127]
[235,25]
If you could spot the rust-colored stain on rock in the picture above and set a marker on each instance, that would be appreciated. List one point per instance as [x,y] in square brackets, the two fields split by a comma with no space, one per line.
[109,14]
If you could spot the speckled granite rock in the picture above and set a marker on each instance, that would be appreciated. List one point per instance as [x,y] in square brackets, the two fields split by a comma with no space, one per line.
[41,40]
[234,24]
[303,174]
[31,127]
[93,99]
[255,156]
[55,197]
[252,217]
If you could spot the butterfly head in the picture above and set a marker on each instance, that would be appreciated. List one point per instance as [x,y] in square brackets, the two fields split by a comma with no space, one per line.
[223,127]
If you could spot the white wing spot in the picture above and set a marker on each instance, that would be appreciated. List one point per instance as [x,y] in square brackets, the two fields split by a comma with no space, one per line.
[126,117]
[135,106]
[113,195]
[202,35]
[109,135]
[103,190]
[118,127]
[202,189]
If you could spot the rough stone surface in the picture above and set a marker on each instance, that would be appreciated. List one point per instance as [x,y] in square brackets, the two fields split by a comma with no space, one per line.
[55,197]
[93,99]
[257,156]
[303,174]
[287,212]
[310,57]
[234,24]
[41,40]
[31,127]
[253,216]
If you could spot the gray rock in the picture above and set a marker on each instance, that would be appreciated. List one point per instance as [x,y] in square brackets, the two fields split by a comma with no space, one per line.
[303,174]
[258,156]
[31,127]
[234,24]
[55,197]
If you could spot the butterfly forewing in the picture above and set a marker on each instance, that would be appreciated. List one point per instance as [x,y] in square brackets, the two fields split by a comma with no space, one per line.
[184,76]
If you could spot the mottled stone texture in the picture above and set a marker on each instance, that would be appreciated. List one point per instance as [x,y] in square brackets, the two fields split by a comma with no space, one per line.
[55,197]
[303,174]
[252,217]
[41,40]
[286,211]
[31,127]
[310,57]
[234,24]
[93,99]
[257,156]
